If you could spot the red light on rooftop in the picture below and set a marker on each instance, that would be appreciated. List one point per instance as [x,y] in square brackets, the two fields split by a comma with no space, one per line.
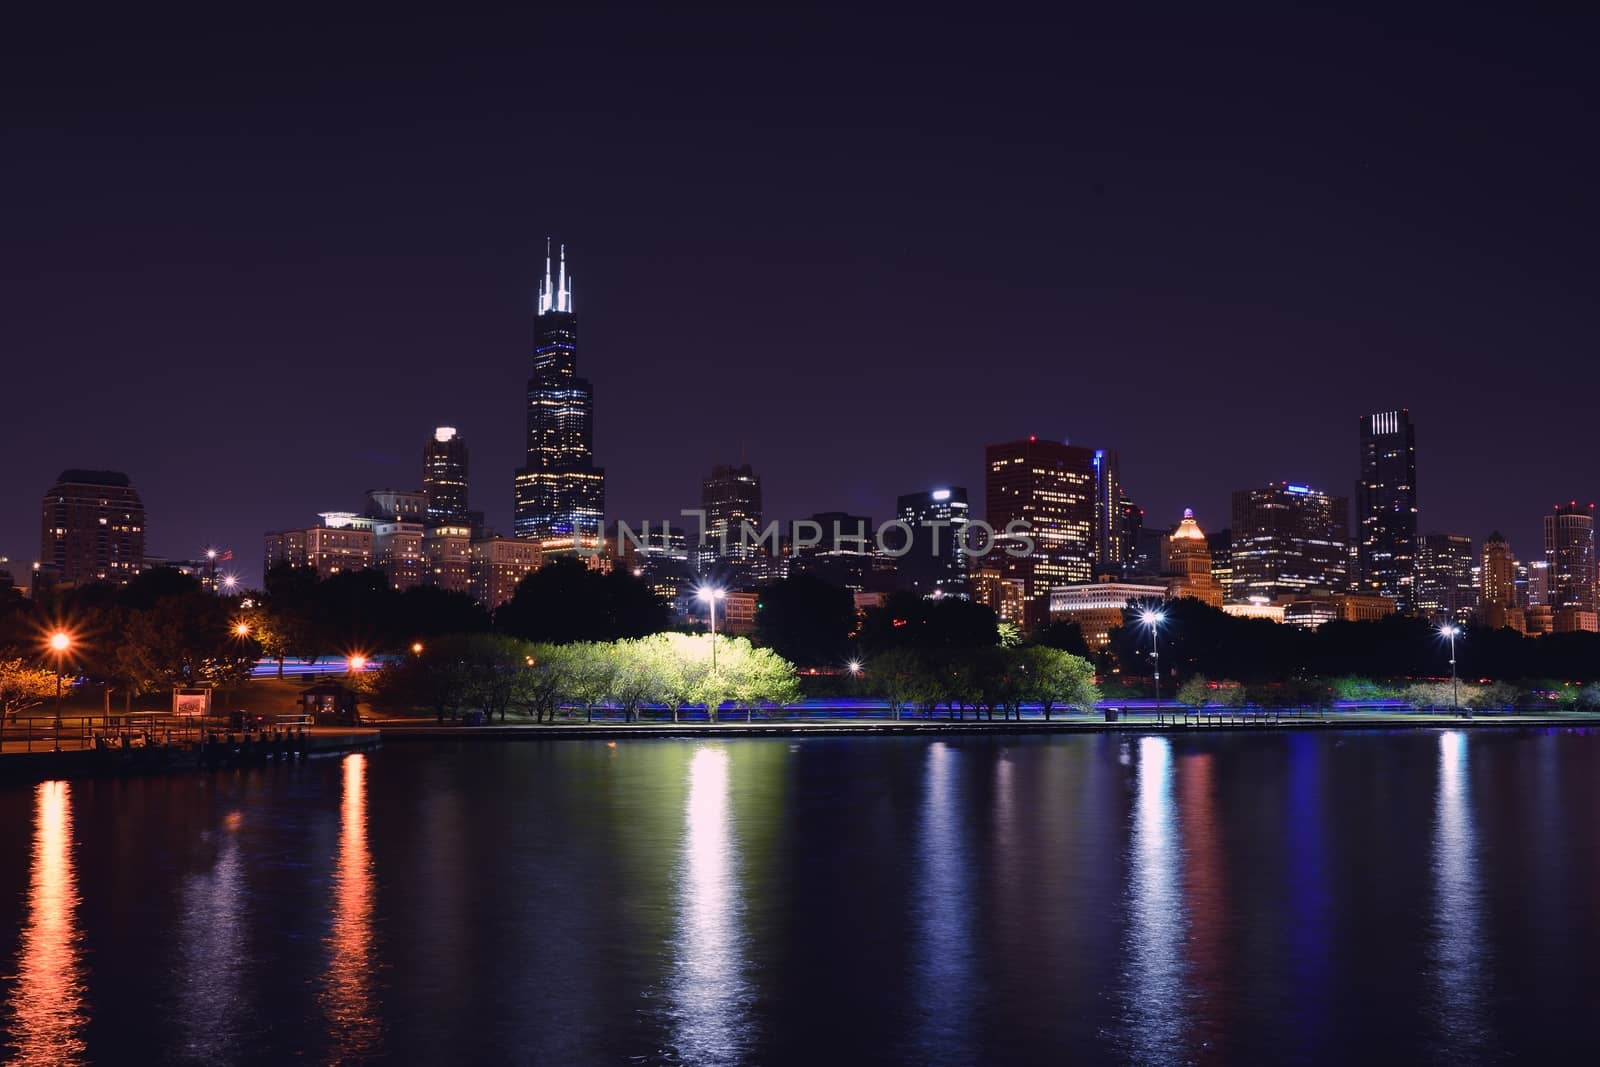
[1032,438]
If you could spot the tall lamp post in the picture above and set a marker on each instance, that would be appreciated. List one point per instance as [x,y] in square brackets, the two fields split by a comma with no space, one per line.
[711,595]
[1451,631]
[1153,618]
[60,644]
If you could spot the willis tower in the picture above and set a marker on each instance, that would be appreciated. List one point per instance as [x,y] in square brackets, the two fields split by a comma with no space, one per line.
[561,494]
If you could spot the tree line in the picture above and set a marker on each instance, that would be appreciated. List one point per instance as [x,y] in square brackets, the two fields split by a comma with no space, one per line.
[496,674]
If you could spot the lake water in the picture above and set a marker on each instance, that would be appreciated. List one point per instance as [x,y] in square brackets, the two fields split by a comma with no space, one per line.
[1289,897]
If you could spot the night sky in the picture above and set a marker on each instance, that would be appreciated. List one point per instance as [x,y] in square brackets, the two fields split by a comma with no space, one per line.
[254,264]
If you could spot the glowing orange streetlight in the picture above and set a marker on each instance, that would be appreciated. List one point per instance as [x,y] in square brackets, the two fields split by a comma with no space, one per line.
[241,629]
[60,644]
[357,662]
[416,648]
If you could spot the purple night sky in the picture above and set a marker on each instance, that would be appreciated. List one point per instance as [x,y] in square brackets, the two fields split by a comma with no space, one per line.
[254,265]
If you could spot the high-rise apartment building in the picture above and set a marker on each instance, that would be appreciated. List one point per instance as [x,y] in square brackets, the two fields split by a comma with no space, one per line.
[560,493]
[1570,560]
[91,528]
[935,564]
[444,475]
[1050,487]
[1444,586]
[1289,539]
[1386,507]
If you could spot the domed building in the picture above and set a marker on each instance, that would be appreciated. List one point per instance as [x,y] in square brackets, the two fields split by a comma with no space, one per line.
[1186,561]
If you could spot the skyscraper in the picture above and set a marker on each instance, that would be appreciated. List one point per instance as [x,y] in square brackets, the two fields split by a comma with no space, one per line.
[1186,561]
[935,565]
[560,494]
[444,475]
[731,498]
[1500,604]
[91,528]
[1386,507]
[1050,486]
[1444,589]
[1569,558]
[1288,540]
[1111,545]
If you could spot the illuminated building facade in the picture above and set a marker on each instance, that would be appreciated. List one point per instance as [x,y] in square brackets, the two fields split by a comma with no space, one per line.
[730,496]
[1501,601]
[1097,606]
[1112,546]
[1006,597]
[342,542]
[496,566]
[448,550]
[560,493]
[935,564]
[397,505]
[1386,507]
[1186,561]
[1444,587]
[444,475]
[1289,539]
[91,528]
[1570,565]
[397,551]
[1050,486]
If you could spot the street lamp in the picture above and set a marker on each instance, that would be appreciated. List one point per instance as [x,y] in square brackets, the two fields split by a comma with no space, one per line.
[1451,631]
[854,666]
[416,648]
[711,594]
[1153,618]
[60,644]
[357,663]
[241,629]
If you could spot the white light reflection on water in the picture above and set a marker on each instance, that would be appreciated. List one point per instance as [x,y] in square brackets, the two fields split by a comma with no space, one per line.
[47,1001]
[1458,944]
[213,924]
[1155,982]
[943,981]
[709,990]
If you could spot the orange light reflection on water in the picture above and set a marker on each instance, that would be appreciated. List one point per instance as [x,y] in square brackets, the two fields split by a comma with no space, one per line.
[47,1006]
[347,991]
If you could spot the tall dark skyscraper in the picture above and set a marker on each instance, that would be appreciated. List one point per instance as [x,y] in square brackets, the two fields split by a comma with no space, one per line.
[935,564]
[444,475]
[731,498]
[1386,508]
[1112,548]
[560,494]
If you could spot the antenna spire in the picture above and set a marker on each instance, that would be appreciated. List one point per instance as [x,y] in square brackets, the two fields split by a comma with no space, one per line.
[546,293]
[564,292]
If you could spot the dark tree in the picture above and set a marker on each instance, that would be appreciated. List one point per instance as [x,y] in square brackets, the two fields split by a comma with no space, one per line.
[806,620]
[907,620]
[566,601]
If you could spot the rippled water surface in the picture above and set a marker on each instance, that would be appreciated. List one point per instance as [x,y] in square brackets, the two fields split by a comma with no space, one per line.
[1417,896]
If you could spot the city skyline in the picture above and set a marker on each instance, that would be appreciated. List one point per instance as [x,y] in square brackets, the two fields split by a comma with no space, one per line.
[1025,267]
